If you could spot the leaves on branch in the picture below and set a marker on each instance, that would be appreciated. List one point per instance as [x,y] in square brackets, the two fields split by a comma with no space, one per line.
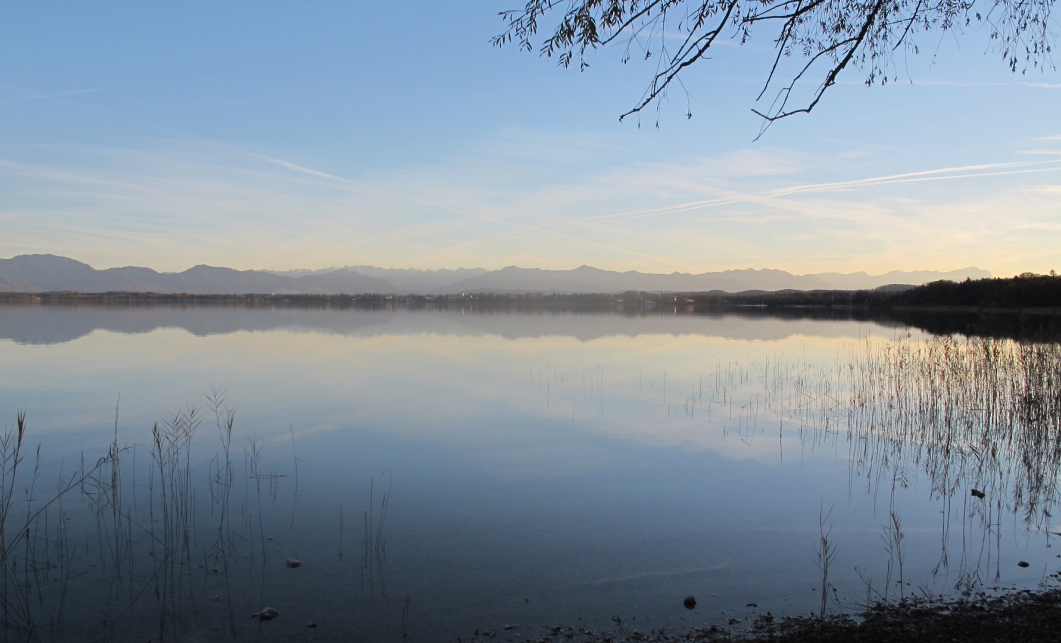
[829,35]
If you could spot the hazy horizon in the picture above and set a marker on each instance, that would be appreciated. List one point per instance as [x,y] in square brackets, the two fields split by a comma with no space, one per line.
[354,266]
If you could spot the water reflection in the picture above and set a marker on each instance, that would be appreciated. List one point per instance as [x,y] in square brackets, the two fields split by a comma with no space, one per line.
[57,323]
[977,420]
[436,473]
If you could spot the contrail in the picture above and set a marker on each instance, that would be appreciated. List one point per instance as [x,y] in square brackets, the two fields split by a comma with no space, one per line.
[1016,83]
[939,174]
[968,171]
[30,95]
[301,169]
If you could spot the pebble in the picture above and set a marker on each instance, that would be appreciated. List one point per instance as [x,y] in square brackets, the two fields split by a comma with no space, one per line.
[266,614]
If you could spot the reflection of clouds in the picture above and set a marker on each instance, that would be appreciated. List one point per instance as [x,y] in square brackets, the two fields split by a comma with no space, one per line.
[421,374]
[57,324]
[743,413]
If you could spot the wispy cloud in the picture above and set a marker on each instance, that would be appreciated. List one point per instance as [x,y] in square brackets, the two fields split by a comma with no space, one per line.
[28,95]
[940,174]
[1014,83]
[839,212]
[301,169]
[734,197]
[189,202]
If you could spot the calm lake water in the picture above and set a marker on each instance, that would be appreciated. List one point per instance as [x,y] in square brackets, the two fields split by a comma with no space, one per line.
[442,472]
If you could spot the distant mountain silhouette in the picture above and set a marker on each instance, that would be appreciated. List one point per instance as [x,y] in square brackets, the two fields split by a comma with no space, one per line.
[407,281]
[50,273]
[585,279]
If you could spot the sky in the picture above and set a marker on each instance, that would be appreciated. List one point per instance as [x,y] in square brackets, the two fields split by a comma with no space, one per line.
[306,135]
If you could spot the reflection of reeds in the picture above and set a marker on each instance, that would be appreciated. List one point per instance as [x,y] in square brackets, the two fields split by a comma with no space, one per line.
[221,477]
[373,544]
[221,471]
[405,617]
[142,550]
[34,557]
[172,544]
[961,413]
[968,413]
[826,553]
[15,599]
[893,542]
[974,413]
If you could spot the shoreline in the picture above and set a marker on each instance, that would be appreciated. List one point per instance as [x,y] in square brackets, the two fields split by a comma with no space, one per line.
[568,301]
[985,616]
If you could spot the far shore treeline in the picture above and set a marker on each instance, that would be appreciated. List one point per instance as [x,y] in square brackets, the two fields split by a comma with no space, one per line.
[1026,307]
[1026,293]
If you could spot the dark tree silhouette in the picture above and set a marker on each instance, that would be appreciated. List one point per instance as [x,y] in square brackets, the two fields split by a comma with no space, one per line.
[828,36]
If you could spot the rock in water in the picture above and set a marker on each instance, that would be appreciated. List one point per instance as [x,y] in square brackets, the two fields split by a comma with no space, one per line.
[689,602]
[266,614]
[294,562]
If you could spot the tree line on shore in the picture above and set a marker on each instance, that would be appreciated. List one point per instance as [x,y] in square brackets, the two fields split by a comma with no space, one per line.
[1027,291]
[1020,292]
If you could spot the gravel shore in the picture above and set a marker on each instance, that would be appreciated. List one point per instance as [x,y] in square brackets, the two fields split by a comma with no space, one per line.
[1016,615]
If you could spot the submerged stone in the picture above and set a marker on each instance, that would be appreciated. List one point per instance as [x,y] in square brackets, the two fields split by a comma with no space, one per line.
[266,614]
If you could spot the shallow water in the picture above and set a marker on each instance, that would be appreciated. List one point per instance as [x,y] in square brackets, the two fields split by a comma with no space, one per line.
[523,470]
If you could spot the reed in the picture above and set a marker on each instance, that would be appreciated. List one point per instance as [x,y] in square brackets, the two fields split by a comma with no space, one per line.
[406,602]
[965,413]
[373,544]
[825,555]
[34,556]
[222,481]
[893,540]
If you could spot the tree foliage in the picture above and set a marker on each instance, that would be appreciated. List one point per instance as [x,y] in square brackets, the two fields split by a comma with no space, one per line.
[828,36]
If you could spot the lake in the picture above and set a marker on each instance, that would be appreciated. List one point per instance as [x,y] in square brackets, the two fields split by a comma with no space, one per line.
[427,474]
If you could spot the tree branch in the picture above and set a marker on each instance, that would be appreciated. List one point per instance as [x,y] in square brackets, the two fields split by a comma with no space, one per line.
[663,79]
[830,77]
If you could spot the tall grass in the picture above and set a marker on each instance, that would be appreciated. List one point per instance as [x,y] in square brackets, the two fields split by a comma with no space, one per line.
[373,543]
[968,413]
[825,555]
[981,413]
[138,532]
[34,553]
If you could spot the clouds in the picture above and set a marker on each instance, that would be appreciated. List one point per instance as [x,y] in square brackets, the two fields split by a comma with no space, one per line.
[532,198]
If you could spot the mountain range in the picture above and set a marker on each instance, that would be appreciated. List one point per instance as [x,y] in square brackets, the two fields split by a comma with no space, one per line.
[51,273]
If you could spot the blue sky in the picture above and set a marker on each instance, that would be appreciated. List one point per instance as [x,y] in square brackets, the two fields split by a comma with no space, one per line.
[286,135]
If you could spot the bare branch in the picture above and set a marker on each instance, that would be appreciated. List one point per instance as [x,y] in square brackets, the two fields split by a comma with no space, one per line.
[830,77]
[663,79]
[861,34]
